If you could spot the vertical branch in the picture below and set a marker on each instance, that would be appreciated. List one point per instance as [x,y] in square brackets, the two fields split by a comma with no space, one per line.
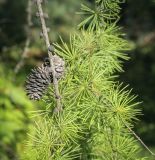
[27,42]
[50,55]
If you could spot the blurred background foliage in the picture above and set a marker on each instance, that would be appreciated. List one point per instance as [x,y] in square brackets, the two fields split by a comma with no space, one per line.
[139,25]
[137,22]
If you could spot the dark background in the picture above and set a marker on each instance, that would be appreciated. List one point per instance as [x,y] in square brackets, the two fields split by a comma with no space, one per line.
[137,20]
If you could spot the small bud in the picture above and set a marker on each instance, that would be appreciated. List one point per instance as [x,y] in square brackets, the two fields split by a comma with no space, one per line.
[51,48]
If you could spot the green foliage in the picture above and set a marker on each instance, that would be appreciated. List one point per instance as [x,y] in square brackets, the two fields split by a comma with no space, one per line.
[96,108]
[13,117]
[104,11]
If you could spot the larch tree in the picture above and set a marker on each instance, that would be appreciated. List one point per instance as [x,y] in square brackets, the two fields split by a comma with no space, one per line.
[89,114]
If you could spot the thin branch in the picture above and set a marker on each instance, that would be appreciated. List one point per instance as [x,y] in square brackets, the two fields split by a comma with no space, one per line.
[50,54]
[28,39]
[139,139]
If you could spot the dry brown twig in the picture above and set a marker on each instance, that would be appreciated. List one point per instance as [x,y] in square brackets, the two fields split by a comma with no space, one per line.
[28,39]
[50,55]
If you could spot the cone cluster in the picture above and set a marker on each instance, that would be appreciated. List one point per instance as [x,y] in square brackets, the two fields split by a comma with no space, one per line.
[40,78]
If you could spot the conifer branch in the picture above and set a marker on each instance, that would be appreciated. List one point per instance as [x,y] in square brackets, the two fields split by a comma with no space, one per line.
[87,113]
[139,139]
[28,39]
[50,55]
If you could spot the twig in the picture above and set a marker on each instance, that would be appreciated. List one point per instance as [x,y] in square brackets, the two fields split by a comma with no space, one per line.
[27,42]
[139,139]
[24,55]
[50,54]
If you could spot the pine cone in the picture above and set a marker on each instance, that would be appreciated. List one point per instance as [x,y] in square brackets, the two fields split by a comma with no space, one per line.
[37,82]
[59,65]
[40,78]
